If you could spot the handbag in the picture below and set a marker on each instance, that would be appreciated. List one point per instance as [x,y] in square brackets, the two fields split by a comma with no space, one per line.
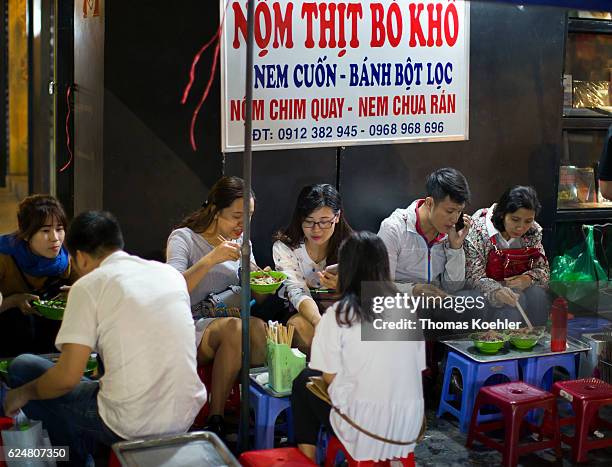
[318,387]
[502,264]
[219,305]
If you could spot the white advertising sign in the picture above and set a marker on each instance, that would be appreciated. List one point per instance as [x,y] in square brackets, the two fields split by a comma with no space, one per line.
[332,73]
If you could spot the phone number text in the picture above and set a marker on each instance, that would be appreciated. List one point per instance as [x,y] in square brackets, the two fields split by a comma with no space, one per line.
[347,131]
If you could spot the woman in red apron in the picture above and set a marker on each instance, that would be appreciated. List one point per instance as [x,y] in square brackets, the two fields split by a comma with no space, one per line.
[505,259]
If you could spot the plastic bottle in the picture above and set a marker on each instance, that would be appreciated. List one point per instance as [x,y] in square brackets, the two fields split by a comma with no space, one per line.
[558,332]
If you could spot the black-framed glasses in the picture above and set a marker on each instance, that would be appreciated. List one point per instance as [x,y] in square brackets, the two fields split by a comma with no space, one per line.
[326,224]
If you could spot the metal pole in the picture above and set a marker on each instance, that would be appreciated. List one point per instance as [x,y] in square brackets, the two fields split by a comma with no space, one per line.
[246,247]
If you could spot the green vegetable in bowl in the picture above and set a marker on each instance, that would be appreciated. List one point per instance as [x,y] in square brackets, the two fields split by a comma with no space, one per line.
[51,309]
[266,282]
[489,336]
[4,364]
[489,342]
[525,338]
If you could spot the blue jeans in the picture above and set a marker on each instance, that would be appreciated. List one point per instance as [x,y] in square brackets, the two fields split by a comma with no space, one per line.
[72,420]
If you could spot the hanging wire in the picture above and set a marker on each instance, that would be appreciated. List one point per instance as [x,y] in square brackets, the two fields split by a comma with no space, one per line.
[215,38]
[68,92]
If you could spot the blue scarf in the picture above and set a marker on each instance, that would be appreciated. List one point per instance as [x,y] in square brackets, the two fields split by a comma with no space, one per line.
[30,263]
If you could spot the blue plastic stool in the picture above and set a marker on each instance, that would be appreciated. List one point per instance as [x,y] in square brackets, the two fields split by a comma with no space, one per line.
[474,375]
[322,442]
[267,409]
[576,327]
[536,369]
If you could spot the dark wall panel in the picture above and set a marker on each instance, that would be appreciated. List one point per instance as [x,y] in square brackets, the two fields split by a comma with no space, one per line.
[64,75]
[42,102]
[515,116]
[151,175]
[4,137]
[278,177]
[88,107]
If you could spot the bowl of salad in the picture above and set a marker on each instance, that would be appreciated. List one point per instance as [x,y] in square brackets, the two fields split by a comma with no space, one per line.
[51,309]
[489,342]
[525,338]
[266,282]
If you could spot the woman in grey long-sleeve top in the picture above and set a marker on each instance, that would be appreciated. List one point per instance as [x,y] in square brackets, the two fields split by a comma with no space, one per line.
[206,250]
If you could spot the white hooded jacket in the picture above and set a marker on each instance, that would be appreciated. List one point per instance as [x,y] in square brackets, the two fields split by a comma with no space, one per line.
[413,261]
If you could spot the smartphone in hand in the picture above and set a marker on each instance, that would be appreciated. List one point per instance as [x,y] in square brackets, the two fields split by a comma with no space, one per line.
[460,223]
[332,268]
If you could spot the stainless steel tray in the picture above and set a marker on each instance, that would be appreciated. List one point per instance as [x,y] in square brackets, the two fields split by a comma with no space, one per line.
[198,448]
[254,372]
[466,347]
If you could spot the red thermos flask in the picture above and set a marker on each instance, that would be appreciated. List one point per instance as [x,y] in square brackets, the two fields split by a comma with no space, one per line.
[558,332]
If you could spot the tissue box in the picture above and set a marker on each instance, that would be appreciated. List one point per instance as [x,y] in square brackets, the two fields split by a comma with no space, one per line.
[284,364]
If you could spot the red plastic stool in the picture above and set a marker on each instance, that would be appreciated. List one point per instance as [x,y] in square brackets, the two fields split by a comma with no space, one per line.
[113,461]
[514,400]
[233,401]
[587,397]
[5,424]
[290,457]
[334,445]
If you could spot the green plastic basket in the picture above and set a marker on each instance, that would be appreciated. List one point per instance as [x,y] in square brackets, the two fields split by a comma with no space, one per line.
[267,288]
[50,309]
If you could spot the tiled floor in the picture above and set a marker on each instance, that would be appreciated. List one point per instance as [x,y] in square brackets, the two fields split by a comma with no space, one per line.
[444,445]
[8,211]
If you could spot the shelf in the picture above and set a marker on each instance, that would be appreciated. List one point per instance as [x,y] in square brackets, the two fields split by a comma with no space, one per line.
[595,26]
[586,123]
[584,215]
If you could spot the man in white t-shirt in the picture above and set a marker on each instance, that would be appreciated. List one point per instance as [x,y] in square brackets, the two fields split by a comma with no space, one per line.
[136,315]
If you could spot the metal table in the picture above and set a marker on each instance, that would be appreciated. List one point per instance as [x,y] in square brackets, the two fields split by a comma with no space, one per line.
[465,346]
[256,375]
[191,449]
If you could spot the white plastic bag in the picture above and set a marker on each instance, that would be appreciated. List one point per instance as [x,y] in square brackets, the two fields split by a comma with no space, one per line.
[18,439]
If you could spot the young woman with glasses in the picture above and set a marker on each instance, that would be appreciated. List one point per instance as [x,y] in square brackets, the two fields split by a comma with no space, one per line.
[307,251]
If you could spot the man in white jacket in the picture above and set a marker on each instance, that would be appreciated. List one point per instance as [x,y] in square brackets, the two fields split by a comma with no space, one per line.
[425,248]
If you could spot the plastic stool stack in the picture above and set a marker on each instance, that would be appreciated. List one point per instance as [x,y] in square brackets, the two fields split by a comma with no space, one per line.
[474,375]
[587,397]
[515,400]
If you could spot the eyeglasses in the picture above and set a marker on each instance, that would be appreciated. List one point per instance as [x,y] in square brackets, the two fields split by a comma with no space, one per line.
[322,224]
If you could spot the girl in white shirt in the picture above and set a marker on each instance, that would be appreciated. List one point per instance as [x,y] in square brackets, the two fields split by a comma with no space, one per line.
[376,384]
[305,249]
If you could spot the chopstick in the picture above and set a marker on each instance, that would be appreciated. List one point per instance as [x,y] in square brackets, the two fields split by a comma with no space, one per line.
[223,239]
[279,334]
[520,308]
